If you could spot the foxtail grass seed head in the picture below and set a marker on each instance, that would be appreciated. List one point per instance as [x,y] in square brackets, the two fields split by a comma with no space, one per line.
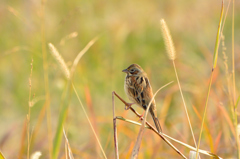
[59,60]
[168,40]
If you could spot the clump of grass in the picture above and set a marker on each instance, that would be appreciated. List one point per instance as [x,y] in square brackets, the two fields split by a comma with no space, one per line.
[70,86]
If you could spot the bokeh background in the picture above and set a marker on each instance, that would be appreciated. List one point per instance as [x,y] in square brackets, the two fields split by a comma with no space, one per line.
[128,32]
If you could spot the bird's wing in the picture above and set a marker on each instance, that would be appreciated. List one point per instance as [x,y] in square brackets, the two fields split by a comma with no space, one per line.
[147,91]
[142,92]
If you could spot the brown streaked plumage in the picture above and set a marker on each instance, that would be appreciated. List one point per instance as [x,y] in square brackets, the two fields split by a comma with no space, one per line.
[138,89]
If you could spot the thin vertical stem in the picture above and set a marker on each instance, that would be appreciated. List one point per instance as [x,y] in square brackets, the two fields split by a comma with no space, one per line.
[115,128]
[46,84]
[189,122]
[29,111]
[94,132]
[205,110]
[172,56]
[234,85]
[233,61]
[215,57]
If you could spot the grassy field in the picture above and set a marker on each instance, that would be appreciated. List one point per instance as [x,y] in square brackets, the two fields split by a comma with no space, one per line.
[127,32]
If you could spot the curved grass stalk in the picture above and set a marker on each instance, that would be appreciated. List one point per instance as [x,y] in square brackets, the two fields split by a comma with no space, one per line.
[142,128]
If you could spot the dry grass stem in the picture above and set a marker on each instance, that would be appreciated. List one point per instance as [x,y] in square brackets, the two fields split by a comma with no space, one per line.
[29,110]
[162,135]
[59,60]
[81,53]
[68,146]
[142,128]
[115,128]
[233,57]
[172,55]
[168,40]
[150,126]
[192,148]
[94,132]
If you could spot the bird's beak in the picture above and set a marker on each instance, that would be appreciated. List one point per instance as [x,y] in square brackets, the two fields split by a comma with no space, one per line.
[126,71]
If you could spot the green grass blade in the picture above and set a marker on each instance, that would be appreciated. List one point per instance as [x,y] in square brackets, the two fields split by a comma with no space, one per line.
[210,83]
[63,115]
[236,105]
[215,55]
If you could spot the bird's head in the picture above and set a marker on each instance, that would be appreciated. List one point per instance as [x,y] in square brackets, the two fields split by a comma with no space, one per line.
[134,70]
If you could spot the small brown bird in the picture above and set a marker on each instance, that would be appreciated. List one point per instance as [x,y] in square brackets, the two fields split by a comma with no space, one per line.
[139,90]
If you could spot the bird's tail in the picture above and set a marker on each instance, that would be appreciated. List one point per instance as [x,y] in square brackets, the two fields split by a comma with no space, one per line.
[156,121]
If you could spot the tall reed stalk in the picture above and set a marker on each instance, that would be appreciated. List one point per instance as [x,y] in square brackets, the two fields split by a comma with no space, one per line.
[67,95]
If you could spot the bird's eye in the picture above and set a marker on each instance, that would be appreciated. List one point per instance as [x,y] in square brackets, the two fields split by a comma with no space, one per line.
[132,70]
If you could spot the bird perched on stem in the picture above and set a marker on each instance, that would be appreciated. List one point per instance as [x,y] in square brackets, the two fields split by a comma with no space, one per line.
[139,91]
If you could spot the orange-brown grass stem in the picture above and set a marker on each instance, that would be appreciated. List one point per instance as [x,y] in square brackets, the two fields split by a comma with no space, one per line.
[115,125]
[149,125]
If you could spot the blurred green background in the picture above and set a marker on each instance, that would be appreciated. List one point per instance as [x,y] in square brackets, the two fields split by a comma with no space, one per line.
[129,32]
